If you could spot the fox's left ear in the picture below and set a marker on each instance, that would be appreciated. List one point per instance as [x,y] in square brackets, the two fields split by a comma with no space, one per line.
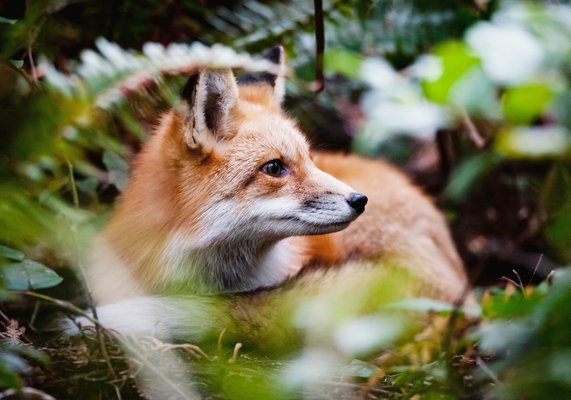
[211,97]
[277,56]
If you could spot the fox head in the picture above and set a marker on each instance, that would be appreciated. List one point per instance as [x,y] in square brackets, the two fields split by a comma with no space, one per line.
[244,167]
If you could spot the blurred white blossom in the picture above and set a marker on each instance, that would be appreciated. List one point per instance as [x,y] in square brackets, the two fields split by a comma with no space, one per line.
[427,67]
[366,334]
[379,74]
[540,141]
[313,366]
[510,54]
[395,105]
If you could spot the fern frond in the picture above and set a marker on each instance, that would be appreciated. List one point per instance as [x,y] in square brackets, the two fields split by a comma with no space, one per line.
[103,78]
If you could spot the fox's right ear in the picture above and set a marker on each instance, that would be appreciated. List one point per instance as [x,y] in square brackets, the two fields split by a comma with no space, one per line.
[211,97]
[276,55]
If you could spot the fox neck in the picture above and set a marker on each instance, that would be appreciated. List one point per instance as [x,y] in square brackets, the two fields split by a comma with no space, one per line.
[232,266]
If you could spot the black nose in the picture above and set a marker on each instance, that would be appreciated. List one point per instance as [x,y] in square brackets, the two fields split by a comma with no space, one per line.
[357,201]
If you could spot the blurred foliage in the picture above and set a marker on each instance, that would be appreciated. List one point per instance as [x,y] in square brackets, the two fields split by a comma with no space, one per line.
[526,335]
[492,79]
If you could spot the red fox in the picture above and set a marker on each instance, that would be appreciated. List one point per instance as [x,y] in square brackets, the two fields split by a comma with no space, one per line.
[227,197]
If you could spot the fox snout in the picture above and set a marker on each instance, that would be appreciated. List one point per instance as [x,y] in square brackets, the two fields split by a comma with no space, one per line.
[357,201]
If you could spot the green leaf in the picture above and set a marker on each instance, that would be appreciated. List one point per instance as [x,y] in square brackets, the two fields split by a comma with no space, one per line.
[474,92]
[88,185]
[17,63]
[456,61]
[343,61]
[558,231]
[8,21]
[517,304]
[11,254]
[28,275]
[26,350]
[360,369]
[468,173]
[10,365]
[118,169]
[522,104]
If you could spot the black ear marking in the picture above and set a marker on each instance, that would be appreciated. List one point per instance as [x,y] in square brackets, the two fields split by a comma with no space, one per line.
[257,77]
[211,110]
[275,55]
[189,89]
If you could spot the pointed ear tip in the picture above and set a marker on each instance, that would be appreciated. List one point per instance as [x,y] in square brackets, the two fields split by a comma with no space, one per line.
[275,54]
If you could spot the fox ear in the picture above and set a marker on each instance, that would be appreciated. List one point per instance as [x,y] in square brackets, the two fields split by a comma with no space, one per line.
[275,55]
[211,96]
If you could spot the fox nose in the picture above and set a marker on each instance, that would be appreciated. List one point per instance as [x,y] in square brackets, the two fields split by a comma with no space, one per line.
[357,201]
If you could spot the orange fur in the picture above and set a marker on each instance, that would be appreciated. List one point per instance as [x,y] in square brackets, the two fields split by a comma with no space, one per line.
[158,242]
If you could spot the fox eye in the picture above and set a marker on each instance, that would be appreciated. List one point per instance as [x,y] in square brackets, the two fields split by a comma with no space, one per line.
[274,168]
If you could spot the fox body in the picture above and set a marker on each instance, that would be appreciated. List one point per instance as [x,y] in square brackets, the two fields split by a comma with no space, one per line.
[227,197]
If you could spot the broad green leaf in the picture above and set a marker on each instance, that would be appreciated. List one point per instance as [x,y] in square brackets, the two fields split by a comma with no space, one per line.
[475,93]
[11,254]
[343,61]
[517,304]
[28,275]
[522,104]
[10,367]
[558,231]
[456,61]
[468,173]
[8,21]
[27,350]
[360,369]
[556,191]
[88,185]
[118,169]
[17,63]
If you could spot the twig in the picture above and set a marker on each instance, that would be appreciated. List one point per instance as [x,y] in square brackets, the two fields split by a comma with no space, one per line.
[518,285]
[61,303]
[4,316]
[319,45]
[32,65]
[24,74]
[191,349]
[445,151]
[371,382]
[219,342]
[135,350]
[72,183]
[518,279]
[480,363]
[454,316]
[536,267]
[472,131]
[100,338]
[116,336]
[32,321]
[235,353]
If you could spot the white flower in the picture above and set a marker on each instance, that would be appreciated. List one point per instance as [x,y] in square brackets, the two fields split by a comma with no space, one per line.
[313,366]
[544,141]
[413,117]
[379,74]
[510,54]
[366,334]
[427,67]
